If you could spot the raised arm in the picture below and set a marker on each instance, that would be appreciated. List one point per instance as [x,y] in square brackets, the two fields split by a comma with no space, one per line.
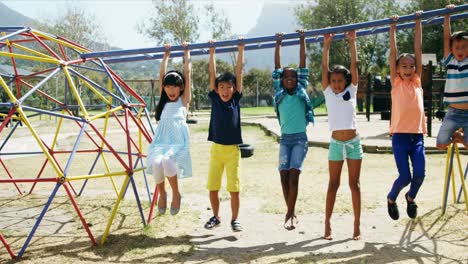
[163,66]
[302,49]
[187,96]
[393,48]
[240,62]
[418,44]
[351,35]
[212,65]
[279,40]
[327,38]
[447,32]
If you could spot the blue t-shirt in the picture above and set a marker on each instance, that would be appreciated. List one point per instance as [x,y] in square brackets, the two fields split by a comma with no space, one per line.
[289,126]
[292,119]
[225,124]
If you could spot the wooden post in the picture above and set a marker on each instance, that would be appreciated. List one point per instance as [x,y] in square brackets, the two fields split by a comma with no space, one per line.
[368,96]
[426,82]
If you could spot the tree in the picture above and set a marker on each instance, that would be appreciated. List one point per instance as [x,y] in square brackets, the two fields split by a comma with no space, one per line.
[77,25]
[177,21]
[218,23]
[172,21]
[263,77]
[220,27]
[372,49]
[258,79]
[433,36]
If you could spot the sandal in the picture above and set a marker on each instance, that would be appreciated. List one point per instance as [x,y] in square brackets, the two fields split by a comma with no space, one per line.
[162,210]
[174,210]
[213,222]
[236,226]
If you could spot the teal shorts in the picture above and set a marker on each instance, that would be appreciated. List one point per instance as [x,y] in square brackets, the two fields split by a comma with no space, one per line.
[341,150]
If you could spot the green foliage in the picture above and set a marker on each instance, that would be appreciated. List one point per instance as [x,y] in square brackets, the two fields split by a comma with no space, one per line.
[260,77]
[371,49]
[177,21]
[76,24]
[173,21]
[219,24]
[433,36]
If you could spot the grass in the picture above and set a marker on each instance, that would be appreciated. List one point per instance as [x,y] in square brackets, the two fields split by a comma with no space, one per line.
[265,111]
[258,111]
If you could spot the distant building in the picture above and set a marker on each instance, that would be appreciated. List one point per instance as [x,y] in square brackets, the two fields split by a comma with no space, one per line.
[426,57]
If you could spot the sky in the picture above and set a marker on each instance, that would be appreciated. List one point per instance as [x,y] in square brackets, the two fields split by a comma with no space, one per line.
[119,18]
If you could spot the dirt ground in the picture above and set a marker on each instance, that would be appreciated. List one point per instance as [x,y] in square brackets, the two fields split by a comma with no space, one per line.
[61,238]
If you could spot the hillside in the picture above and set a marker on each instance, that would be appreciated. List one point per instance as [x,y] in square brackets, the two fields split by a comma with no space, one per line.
[9,17]
[132,70]
[275,17]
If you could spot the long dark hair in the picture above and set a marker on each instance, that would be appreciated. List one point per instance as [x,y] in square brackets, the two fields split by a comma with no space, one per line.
[170,78]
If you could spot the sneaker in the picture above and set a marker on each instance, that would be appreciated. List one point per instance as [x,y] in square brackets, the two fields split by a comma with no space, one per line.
[393,210]
[212,223]
[411,208]
[236,226]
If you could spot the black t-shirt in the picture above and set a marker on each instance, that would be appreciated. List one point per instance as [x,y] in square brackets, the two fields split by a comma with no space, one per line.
[225,124]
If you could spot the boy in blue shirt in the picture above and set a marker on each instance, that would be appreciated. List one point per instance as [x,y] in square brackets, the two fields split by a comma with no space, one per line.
[225,133]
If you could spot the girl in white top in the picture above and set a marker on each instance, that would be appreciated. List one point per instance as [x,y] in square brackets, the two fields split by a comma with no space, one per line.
[340,86]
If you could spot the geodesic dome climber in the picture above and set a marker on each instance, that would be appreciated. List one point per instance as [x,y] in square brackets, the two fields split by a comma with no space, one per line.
[96,125]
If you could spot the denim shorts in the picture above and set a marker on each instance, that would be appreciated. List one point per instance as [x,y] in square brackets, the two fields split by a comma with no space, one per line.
[293,149]
[453,120]
[341,150]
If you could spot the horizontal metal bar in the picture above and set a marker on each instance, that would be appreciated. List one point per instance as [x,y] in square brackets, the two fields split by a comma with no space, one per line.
[79,119]
[87,68]
[8,29]
[20,153]
[341,36]
[14,33]
[122,152]
[315,32]
[29,180]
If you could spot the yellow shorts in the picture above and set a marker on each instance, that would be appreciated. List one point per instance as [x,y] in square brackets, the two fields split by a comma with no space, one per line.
[224,156]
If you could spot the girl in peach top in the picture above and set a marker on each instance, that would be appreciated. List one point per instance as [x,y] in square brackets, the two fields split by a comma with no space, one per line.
[408,123]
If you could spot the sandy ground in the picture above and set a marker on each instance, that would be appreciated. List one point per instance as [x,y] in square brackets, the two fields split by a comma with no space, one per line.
[428,239]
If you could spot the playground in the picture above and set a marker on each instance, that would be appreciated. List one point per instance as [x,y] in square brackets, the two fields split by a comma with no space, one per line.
[73,186]
[180,239]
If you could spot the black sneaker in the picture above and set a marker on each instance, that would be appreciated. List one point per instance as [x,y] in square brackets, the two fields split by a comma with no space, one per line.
[212,223]
[393,210]
[411,208]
